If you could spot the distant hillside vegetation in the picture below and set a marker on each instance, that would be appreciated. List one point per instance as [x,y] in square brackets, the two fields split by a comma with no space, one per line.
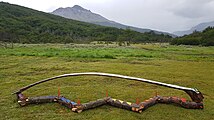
[204,38]
[24,25]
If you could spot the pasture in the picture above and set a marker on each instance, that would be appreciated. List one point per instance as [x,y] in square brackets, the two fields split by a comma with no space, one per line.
[189,66]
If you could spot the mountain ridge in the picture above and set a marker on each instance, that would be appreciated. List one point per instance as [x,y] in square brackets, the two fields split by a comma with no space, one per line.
[79,13]
[200,27]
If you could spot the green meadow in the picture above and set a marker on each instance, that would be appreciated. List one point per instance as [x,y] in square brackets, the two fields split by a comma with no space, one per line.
[190,66]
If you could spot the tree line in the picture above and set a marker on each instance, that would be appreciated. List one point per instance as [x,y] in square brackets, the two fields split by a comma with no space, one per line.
[204,38]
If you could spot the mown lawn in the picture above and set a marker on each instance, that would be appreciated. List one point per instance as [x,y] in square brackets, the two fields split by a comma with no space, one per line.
[182,65]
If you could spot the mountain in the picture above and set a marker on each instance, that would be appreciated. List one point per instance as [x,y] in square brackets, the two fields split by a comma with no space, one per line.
[25,25]
[79,13]
[199,27]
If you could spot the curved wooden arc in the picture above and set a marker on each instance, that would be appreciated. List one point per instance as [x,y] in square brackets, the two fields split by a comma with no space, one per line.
[192,92]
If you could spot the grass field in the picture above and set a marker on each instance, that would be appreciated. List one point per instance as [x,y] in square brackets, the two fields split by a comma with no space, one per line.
[181,65]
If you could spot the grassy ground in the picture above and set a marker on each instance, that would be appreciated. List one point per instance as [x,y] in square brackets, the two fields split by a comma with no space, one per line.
[181,65]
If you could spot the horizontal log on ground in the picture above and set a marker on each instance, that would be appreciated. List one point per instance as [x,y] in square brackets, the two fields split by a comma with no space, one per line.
[180,101]
[36,100]
[42,99]
[119,103]
[94,104]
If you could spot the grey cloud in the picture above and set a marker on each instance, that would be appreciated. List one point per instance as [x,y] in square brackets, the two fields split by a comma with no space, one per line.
[166,15]
[193,8]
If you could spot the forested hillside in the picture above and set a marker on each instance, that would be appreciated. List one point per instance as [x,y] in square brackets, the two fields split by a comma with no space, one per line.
[204,38]
[24,25]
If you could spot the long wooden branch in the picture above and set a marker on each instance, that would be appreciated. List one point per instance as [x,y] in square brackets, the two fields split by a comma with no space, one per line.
[195,95]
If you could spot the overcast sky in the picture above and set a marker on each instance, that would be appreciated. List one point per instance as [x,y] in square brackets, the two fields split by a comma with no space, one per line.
[164,15]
